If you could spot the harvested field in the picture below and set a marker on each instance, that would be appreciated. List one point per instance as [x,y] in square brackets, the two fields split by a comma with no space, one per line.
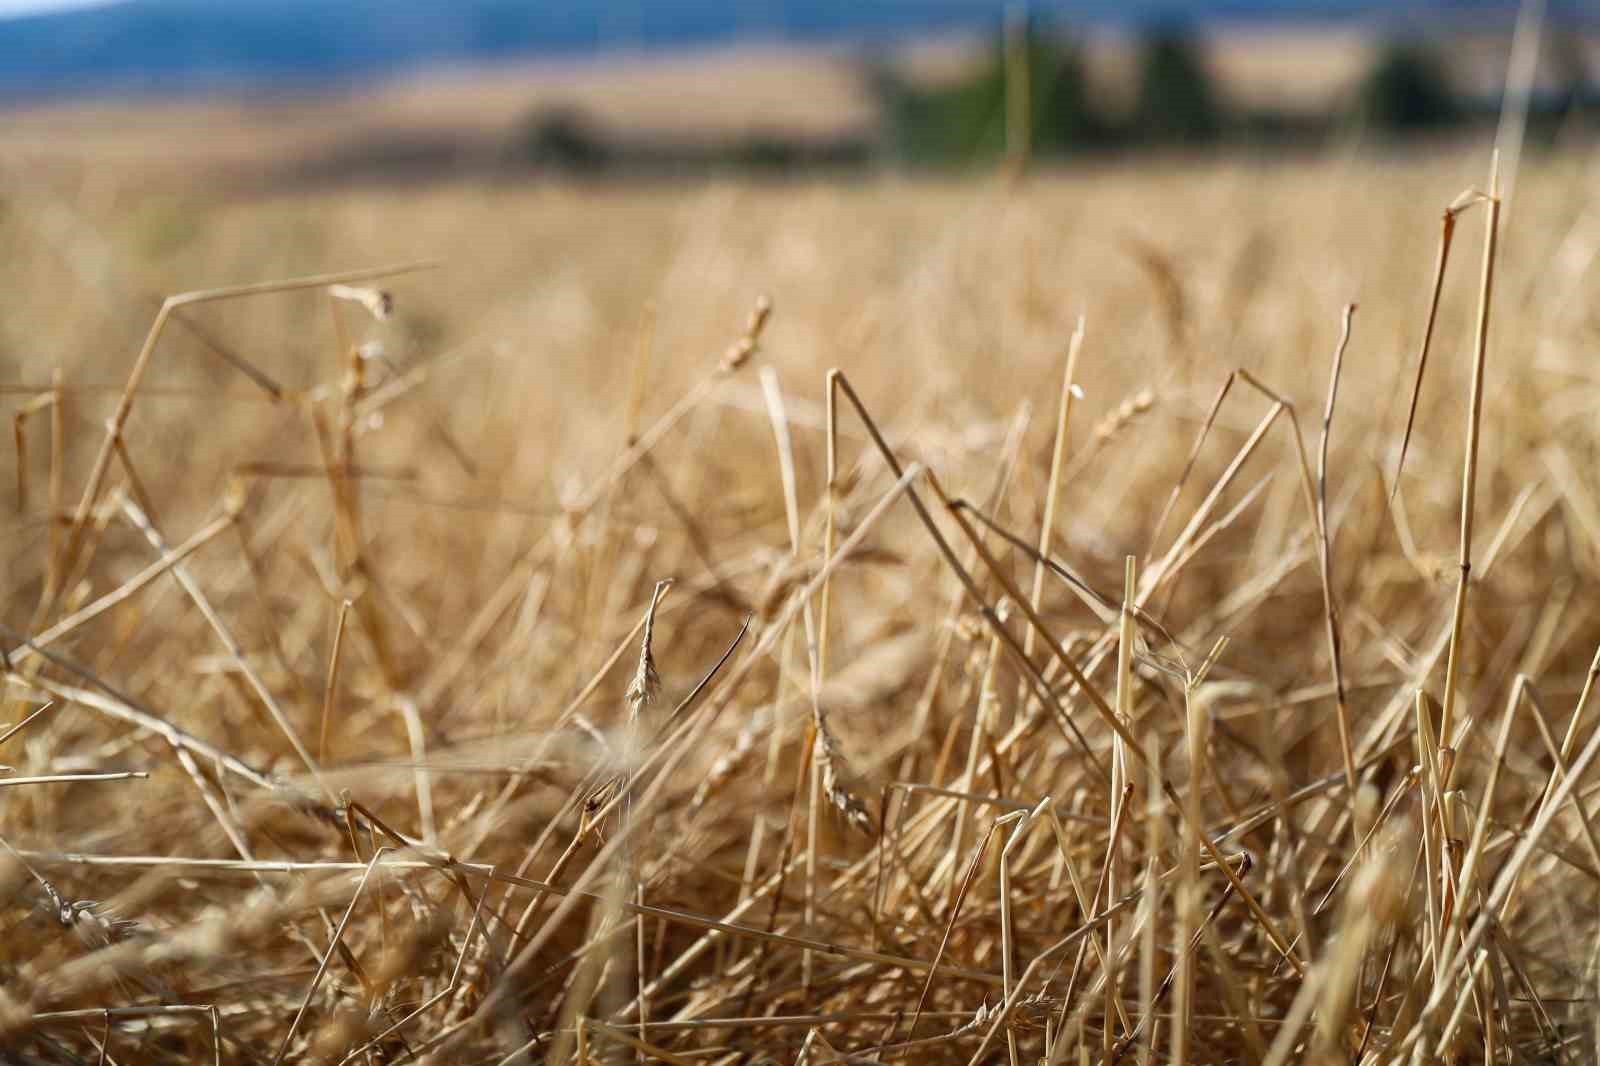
[349,720]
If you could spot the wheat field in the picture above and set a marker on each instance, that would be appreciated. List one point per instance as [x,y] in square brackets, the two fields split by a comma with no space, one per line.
[910,619]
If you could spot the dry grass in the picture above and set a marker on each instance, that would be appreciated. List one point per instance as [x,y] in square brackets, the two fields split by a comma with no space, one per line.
[373,737]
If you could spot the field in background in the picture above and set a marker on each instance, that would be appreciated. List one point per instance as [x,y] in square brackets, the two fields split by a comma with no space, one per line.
[254,141]
[575,403]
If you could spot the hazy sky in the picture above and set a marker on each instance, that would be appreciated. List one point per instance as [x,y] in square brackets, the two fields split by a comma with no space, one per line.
[29,7]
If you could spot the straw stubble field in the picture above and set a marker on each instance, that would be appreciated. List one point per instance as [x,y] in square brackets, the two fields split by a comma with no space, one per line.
[349,721]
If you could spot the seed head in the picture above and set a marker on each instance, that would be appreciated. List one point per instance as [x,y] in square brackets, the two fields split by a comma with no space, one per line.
[646,684]
[835,773]
[743,348]
[94,927]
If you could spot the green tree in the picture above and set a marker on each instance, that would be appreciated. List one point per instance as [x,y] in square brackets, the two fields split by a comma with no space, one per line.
[1175,101]
[965,122]
[562,138]
[1406,89]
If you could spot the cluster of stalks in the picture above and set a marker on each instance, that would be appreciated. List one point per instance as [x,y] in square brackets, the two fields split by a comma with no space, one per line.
[908,774]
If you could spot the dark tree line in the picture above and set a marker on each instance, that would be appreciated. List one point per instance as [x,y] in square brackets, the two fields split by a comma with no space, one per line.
[1175,104]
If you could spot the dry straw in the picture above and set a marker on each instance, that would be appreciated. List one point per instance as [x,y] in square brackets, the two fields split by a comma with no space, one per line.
[1143,731]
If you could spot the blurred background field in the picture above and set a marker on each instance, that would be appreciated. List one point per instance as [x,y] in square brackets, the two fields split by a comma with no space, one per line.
[266,98]
[565,396]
